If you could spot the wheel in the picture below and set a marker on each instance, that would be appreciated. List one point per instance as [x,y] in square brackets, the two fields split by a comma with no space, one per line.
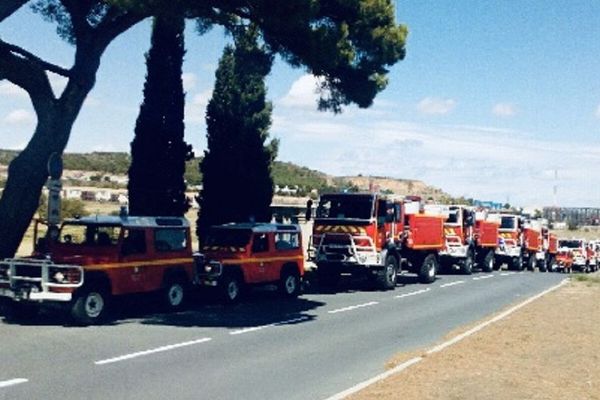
[232,288]
[428,269]
[19,311]
[90,306]
[488,262]
[517,263]
[552,265]
[174,293]
[289,284]
[466,266]
[387,280]
[542,265]
[531,263]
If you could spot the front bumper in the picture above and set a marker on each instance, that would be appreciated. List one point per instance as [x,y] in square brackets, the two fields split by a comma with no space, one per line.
[32,294]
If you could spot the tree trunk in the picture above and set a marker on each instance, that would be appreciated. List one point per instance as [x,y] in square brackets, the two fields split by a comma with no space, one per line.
[27,175]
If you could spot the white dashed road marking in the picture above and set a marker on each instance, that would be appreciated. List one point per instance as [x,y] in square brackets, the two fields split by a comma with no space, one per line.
[258,328]
[339,310]
[12,382]
[507,273]
[412,293]
[152,351]
[452,284]
[478,278]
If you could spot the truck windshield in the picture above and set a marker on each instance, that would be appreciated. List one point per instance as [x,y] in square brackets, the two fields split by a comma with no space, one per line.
[571,244]
[453,216]
[345,207]
[507,223]
[227,237]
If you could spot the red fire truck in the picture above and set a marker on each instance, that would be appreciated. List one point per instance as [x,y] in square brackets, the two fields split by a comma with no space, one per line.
[91,260]
[578,250]
[470,239]
[520,242]
[371,235]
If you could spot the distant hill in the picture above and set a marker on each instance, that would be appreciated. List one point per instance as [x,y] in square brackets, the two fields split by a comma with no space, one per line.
[284,174]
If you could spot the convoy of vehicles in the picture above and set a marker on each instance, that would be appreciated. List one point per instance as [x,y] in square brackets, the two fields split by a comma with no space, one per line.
[86,263]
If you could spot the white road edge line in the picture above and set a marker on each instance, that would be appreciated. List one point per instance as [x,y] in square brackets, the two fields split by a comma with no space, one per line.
[12,382]
[258,328]
[412,361]
[400,296]
[151,351]
[452,284]
[350,308]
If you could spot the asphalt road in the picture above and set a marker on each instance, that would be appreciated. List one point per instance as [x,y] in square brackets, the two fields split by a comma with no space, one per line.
[263,348]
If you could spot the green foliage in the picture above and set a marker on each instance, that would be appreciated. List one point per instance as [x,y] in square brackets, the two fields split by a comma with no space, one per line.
[69,208]
[158,151]
[237,163]
[350,44]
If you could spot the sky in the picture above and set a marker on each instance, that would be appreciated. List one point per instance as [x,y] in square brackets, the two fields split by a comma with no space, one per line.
[495,100]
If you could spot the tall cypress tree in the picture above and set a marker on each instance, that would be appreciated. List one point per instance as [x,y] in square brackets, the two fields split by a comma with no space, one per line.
[236,168]
[158,151]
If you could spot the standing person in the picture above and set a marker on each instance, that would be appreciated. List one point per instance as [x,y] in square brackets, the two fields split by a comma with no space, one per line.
[309,205]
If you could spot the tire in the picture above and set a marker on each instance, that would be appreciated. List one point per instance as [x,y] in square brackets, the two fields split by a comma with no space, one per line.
[90,306]
[552,265]
[387,280]
[488,262]
[466,266]
[18,311]
[174,293]
[428,269]
[542,265]
[517,263]
[232,287]
[531,263]
[289,284]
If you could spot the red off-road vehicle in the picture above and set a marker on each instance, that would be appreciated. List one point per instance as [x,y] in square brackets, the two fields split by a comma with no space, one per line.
[236,256]
[91,260]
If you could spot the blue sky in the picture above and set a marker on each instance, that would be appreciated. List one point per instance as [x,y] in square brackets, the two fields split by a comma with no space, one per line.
[492,98]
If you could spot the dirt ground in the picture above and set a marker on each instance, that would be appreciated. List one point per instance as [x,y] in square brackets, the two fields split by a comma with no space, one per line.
[549,349]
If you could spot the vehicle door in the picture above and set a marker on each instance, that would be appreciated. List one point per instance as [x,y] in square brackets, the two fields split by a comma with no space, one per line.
[133,260]
[260,260]
[288,249]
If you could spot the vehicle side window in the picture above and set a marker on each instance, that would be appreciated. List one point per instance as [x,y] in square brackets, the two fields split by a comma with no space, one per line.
[169,239]
[287,240]
[260,243]
[134,242]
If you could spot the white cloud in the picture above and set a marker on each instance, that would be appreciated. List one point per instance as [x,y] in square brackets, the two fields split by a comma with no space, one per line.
[19,117]
[302,94]
[196,109]
[436,106]
[11,90]
[189,80]
[504,110]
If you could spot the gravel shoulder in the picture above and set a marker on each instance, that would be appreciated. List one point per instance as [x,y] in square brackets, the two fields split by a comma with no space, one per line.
[549,349]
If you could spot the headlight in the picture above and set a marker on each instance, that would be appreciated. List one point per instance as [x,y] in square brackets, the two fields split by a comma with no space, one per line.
[213,268]
[59,277]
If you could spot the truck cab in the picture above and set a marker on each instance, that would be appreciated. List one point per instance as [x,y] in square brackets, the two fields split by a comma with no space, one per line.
[510,241]
[237,256]
[577,248]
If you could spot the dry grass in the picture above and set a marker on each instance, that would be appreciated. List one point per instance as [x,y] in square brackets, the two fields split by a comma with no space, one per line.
[549,349]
